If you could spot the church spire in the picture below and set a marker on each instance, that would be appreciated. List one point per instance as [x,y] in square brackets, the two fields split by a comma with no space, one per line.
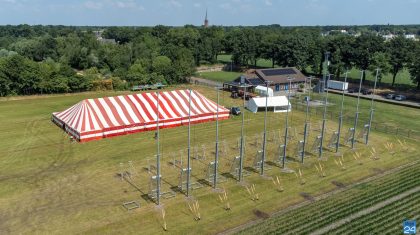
[206,21]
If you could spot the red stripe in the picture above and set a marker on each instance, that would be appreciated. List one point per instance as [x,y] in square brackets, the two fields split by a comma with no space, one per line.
[178,102]
[114,111]
[125,111]
[103,112]
[193,112]
[164,96]
[195,103]
[134,108]
[73,115]
[204,102]
[152,104]
[161,105]
[96,117]
[143,106]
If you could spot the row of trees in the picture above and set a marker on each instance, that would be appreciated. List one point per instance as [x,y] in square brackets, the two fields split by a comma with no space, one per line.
[43,59]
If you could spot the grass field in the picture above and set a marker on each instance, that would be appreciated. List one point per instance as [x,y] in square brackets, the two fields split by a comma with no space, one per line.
[49,185]
[403,77]
[220,76]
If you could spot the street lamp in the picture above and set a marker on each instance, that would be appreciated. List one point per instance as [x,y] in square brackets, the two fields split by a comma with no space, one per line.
[265,128]
[241,151]
[287,121]
[340,119]
[371,107]
[356,118]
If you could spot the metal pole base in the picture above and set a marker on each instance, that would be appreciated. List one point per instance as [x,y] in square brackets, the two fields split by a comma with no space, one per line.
[287,170]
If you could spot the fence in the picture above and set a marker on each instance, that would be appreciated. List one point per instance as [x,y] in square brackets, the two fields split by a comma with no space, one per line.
[376,126]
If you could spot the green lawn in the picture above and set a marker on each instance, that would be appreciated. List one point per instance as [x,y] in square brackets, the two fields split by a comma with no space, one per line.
[220,76]
[260,62]
[49,185]
[403,77]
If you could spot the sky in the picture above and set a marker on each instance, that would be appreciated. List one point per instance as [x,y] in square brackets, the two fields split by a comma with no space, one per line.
[220,12]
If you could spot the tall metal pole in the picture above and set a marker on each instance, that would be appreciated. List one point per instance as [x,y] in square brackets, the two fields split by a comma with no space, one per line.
[340,119]
[216,156]
[158,153]
[265,130]
[241,151]
[286,132]
[324,119]
[371,107]
[305,130]
[189,146]
[356,118]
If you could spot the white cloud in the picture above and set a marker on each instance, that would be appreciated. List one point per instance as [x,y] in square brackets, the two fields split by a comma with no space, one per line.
[174,3]
[8,1]
[197,4]
[268,3]
[93,5]
[225,6]
[129,4]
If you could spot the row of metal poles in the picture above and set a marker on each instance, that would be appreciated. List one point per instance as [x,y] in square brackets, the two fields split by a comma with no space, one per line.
[244,86]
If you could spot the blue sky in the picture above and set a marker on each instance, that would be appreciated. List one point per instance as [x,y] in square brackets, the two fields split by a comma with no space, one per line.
[221,12]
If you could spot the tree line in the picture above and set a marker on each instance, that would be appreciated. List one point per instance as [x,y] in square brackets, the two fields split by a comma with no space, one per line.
[54,59]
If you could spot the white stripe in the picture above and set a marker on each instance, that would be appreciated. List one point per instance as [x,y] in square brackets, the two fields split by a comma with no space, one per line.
[109,112]
[119,111]
[98,113]
[183,103]
[74,121]
[70,118]
[168,107]
[210,104]
[175,104]
[82,117]
[129,109]
[148,107]
[139,108]
[87,118]
[93,119]
[205,109]
[193,107]
[71,114]
[160,108]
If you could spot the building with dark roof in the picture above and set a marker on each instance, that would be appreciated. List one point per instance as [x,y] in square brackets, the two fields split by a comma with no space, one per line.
[278,78]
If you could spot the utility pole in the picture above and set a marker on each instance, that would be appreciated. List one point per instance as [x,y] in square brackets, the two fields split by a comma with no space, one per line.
[356,118]
[216,156]
[158,153]
[372,110]
[340,119]
[265,129]
[189,146]
[305,130]
[286,132]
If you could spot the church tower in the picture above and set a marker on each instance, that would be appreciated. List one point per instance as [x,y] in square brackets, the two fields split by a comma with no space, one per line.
[206,21]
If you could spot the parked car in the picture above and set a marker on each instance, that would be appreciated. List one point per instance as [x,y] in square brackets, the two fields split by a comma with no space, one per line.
[400,97]
[366,91]
[234,95]
[235,111]
[390,96]
[352,90]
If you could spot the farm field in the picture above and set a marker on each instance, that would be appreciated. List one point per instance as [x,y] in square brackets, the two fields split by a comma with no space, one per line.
[385,220]
[51,185]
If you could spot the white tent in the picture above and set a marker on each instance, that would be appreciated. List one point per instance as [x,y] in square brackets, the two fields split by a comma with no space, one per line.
[274,103]
[262,91]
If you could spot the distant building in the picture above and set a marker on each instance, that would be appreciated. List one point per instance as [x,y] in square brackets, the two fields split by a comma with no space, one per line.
[388,37]
[410,36]
[206,21]
[278,78]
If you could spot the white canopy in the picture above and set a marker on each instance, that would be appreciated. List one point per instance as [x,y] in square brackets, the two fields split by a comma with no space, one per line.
[262,91]
[274,103]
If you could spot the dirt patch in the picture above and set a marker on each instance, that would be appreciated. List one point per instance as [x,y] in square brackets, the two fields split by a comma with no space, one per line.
[338,184]
[377,170]
[307,196]
[261,214]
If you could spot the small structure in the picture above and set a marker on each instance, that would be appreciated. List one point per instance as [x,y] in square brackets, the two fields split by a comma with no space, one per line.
[337,85]
[274,103]
[262,91]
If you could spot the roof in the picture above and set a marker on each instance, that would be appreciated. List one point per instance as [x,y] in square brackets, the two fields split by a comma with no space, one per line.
[271,101]
[110,116]
[280,75]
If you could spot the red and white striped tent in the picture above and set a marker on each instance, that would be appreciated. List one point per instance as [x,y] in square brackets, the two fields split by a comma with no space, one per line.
[93,119]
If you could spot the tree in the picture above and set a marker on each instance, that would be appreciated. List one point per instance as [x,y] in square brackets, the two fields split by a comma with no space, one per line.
[414,65]
[399,49]
[380,60]
[365,46]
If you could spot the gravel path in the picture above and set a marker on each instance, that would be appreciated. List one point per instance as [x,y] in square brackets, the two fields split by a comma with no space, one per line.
[365,211]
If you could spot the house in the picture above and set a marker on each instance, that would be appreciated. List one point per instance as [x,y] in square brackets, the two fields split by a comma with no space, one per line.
[277,78]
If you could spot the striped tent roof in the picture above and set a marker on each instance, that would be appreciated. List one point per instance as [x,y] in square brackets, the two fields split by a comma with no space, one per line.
[111,116]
